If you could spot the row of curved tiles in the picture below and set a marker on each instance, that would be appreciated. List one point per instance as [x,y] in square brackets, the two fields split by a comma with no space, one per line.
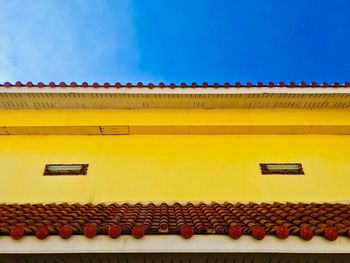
[233,219]
[173,85]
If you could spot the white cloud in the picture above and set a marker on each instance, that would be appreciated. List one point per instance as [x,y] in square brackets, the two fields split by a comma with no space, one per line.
[67,40]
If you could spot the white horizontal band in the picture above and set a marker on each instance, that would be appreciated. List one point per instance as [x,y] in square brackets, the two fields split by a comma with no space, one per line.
[173,244]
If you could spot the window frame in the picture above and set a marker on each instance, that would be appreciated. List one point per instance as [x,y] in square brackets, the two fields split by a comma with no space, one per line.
[82,171]
[265,170]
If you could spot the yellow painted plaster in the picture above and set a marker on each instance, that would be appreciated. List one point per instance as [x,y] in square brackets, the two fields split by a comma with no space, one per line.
[174,167]
[181,122]
[175,117]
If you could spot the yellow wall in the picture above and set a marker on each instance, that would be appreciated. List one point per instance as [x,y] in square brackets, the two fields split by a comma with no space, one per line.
[174,167]
[174,117]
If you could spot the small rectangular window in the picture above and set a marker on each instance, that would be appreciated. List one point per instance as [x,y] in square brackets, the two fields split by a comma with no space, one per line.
[281,168]
[66,169]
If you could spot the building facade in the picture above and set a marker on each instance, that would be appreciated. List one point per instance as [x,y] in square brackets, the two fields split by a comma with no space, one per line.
[208,172]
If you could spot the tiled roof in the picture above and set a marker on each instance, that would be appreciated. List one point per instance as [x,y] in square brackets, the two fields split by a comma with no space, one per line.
[173,85]
[232,219]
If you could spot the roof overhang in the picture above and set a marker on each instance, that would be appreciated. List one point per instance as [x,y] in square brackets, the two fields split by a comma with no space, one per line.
[200,97]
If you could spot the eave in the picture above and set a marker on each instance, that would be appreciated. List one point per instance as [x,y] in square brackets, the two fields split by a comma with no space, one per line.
[172,244]
[134,97]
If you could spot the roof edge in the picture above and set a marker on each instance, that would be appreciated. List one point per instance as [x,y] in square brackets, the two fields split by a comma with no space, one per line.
[172,244]
[177,90]
[181,85]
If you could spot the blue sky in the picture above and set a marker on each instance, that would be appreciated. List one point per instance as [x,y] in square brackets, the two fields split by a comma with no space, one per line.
[175,40]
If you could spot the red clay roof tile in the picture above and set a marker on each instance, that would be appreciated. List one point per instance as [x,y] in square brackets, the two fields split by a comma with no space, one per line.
[279,219]
[173,85]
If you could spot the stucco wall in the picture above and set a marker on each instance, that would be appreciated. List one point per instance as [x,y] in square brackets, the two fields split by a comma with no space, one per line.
[174,167]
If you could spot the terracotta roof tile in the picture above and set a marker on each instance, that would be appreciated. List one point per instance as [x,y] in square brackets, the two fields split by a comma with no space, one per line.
[173,85]
[278,219]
